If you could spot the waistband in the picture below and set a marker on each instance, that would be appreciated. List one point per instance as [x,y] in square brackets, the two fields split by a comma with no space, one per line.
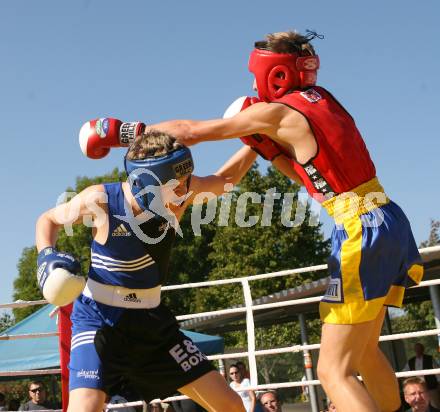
[362,199]
[121,297]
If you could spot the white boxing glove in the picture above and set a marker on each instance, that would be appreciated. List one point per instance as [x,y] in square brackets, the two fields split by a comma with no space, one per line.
[57,277]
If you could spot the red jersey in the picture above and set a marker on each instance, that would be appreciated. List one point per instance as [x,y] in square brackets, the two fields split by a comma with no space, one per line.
[342,161]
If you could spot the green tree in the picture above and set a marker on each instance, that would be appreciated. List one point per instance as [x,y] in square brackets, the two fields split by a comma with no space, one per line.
[434,234]
[189,264]
[6,321]
[243,251]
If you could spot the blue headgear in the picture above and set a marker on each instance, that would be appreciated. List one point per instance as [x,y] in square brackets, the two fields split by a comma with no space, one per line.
[156,171]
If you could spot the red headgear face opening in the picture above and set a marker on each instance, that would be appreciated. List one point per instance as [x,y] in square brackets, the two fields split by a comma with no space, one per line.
[278,73]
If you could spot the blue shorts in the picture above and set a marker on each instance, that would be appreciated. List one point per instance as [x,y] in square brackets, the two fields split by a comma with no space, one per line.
[142,349]
[374,258]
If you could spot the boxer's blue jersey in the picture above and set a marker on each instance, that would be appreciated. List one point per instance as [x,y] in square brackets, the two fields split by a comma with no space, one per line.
[124,259]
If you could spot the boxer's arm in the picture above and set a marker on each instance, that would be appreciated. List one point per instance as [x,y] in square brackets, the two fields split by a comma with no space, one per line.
[261,118]
[284,165]
[89,202]
[230,174]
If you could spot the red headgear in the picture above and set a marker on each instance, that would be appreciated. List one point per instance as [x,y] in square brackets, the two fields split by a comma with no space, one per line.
[277,73]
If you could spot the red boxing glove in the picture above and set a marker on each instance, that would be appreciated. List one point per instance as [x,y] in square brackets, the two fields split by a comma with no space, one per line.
[263,145]
[260,143]
[97,137]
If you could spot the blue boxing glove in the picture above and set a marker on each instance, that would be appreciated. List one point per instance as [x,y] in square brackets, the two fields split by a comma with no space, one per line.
[57,276]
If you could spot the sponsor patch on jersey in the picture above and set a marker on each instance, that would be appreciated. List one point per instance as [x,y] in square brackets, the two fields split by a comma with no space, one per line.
[101,127]
[333,292]
[311,95]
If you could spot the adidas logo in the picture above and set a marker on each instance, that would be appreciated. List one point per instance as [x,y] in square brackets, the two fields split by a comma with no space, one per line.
[131,297]
[121,231]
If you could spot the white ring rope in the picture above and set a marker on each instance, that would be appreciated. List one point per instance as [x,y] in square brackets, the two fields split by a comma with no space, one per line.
[23,303]
[422,251]
[29,336]
[32,372]
[248,309]
[300,301]
[263,352]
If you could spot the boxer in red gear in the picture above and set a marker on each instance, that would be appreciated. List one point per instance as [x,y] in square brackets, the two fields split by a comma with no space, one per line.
[374,256]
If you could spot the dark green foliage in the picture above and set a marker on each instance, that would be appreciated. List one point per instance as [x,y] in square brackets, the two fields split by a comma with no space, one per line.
[6,321]
[244,251]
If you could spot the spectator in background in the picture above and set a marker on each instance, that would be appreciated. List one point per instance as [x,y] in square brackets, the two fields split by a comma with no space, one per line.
[238,382]
[331,407]
[2,402]
[116,399]
[304,390]
[37,393]
[417,395]
[270,402]
[420,362]
[243,370]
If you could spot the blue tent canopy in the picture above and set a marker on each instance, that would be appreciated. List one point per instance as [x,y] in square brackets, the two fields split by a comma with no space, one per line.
[43,353]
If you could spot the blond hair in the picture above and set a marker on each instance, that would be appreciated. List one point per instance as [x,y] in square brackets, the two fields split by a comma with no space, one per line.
[415,380]
[152,143]
[289,42]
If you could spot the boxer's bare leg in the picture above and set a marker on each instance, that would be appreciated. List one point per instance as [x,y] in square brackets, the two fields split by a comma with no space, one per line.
[213,393]
[377,373]
[340,357]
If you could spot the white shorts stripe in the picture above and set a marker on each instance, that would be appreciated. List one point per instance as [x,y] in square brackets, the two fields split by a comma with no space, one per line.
[83,334]
[74,342]
[92,341]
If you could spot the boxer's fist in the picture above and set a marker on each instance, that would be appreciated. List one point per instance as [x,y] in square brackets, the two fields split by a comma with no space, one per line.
[97,137]
[260,143]
[57,276]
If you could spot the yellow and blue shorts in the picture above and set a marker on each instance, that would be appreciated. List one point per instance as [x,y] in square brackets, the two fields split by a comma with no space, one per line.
[374,257]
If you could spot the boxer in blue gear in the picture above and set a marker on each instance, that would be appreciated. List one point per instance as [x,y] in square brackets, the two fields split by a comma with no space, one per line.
[122,335]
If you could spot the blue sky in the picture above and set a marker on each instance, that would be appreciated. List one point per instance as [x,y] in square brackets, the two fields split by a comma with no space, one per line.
[64,63]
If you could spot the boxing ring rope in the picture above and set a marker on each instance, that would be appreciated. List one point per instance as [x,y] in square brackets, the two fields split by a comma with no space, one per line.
[29,336]
[248,308]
